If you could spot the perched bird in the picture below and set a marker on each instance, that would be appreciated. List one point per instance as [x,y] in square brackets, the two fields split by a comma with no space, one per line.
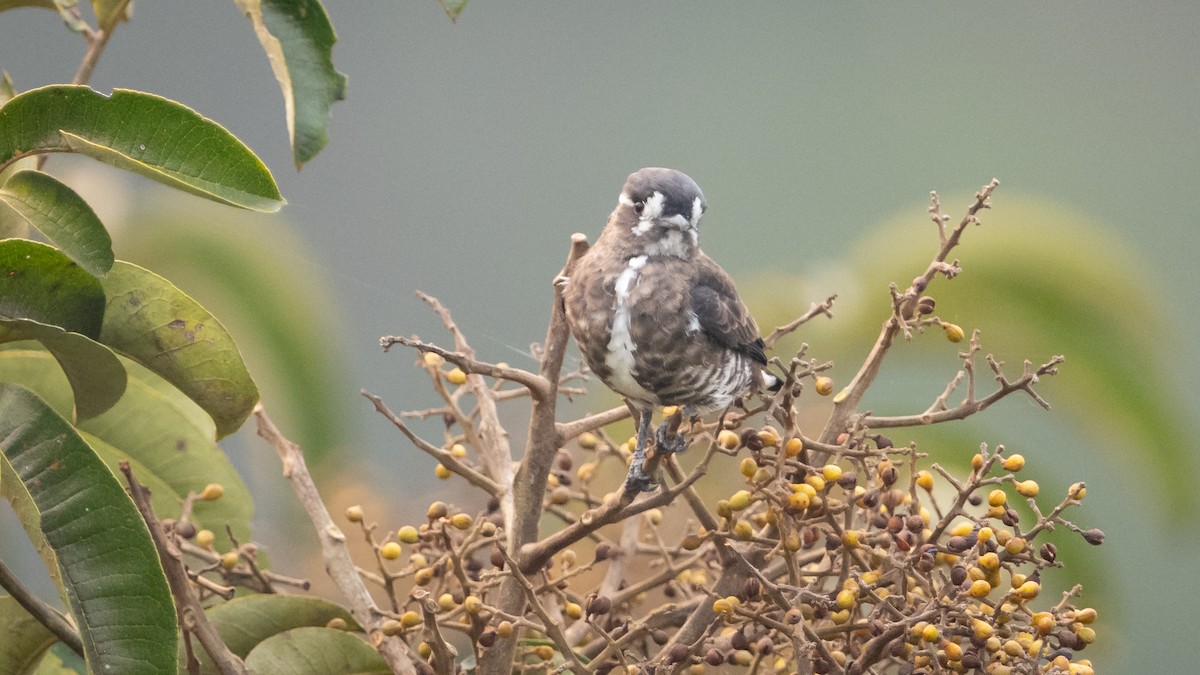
[656,319]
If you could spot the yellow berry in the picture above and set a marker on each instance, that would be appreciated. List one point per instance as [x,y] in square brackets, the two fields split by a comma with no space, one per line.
[823,385]
[458,451]
[390,551]
[952,651]
[839,617]
[769,437]
[793,447]
[1086,633]
[798,501]
[1015,545]
[204,538]
[846,598]
[588,440]
[722,606]
[423,576]
[456,376]
[446,602]
[962,529]
[441,471]
[1029,590]
[432,360]
[354,513]
[472,604]
[212,492]
[586,471]
[743,530]
[504,629]
[436,510]
[1085,615]
[954,332]
[989,561]
[408,534]
[739,500]
[1077,491]
[573,610]
[997,498]
[669,410]
[817,482]
[410,619]
[653,516]
[1027,488]
[229,561]
[1042,622]
[728,439]
[461,521]
[850,538]
[925,480]
[831,472]
[982,629]
[747,466]
[1014,463]
[930,633]
[980,588]
[977,461]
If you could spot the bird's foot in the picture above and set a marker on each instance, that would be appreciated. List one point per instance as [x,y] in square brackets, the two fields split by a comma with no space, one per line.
[667,441]
[637,479]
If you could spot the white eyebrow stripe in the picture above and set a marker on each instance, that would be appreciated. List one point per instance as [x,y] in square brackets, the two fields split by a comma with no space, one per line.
[697,210]
[625,199]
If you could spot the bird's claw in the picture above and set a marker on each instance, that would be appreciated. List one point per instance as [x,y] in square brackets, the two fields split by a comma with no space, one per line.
[637,479]
[667,442]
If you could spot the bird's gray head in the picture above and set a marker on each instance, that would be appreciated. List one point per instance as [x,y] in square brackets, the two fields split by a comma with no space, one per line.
[662,209]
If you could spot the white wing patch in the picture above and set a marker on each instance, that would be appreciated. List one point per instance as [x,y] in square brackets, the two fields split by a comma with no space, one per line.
[620,360]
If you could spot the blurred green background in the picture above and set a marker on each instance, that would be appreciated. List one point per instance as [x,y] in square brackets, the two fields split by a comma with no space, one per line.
[467,154]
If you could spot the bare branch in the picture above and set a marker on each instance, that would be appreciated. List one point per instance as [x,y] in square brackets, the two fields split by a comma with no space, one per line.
[333,547]
[814,310]
[191,613]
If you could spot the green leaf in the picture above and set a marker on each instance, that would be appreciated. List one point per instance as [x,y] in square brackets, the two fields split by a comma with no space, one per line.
[161,430]
[295,375]
[151,321]
[314,651]
[149,135]
[246,621]
[109,12]
[298,40]
[25,638]
[115,585]
[96,375]
[453,8]
[38,282]
[62,216]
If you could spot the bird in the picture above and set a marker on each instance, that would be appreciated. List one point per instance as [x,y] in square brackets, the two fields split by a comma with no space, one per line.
[656,319]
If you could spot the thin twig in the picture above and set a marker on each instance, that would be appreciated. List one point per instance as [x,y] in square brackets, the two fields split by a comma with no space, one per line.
[44,613]
[816,309]
[191,613]
[338,562]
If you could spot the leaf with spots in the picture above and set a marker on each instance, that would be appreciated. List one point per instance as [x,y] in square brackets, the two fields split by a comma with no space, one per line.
[160,429]
[38,282]
[152,322]
[115,586]
[149,135]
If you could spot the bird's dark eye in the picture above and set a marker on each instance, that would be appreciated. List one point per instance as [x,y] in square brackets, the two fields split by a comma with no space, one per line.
[639,206]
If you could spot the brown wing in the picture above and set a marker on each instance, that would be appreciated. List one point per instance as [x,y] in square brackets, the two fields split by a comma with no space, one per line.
[721,313]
